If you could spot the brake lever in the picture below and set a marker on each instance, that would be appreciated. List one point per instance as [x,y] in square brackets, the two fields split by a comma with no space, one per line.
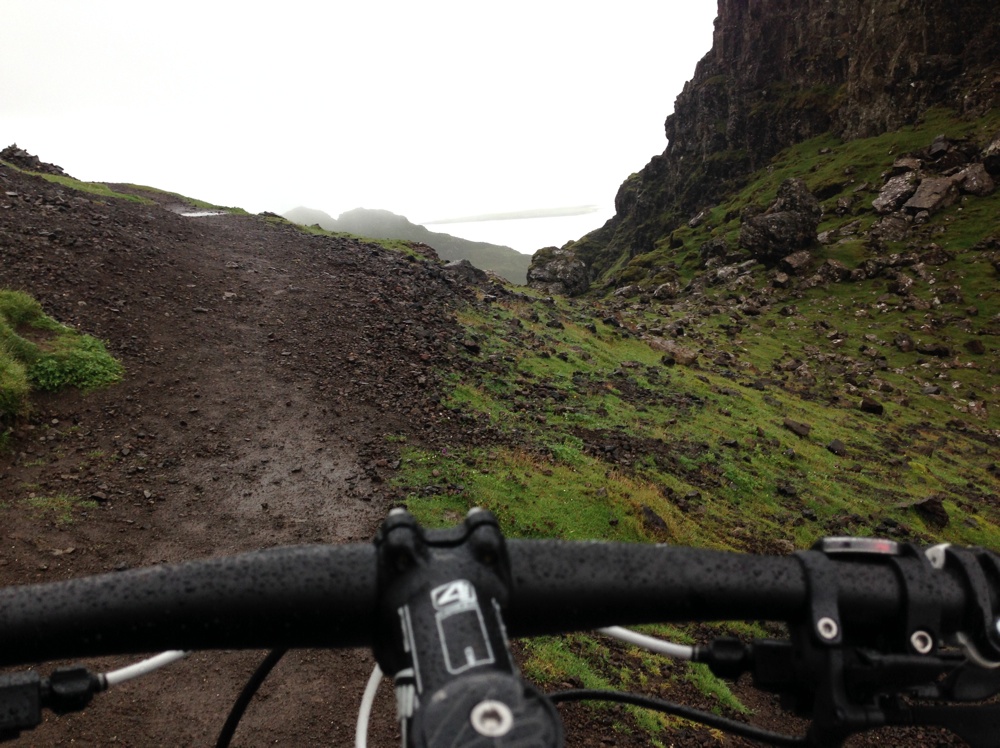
[23,695]
[969,682]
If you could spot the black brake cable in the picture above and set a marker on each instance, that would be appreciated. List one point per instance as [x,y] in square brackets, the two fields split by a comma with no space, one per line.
[246,695]
[678,710]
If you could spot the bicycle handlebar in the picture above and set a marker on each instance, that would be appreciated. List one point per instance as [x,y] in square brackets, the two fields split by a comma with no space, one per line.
[325,596]
[866,619]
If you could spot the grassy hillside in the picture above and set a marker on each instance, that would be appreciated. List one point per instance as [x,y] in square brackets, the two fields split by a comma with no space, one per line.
[597,390]
[589,431]
[740,413]
[599,423]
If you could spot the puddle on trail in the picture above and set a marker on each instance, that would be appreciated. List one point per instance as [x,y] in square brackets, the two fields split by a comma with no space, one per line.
[202,213]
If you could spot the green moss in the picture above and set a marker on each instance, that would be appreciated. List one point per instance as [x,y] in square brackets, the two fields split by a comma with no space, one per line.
[14,387]
[192,201]
[37,353]
[93,188]
[74,360]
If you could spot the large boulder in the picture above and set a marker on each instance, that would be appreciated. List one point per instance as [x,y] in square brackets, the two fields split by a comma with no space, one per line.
[895,192]
[975,180]
[893,227]
[673,352]
[932,195]
[787,226]
[713,251]
[558,271]
[465,272]
[797,263]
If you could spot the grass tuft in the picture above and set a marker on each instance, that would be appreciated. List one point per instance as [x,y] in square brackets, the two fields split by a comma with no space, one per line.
[63,509]
[38,353]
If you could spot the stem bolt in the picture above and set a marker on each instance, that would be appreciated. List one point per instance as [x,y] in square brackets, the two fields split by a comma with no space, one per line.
[492,718]
[827,628]
[922,642]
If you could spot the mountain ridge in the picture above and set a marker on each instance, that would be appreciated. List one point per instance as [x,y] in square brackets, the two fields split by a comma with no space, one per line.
[383,224]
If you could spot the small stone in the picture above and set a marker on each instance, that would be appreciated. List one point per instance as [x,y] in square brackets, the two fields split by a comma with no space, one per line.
[796,427]
[653,521]
[933,511]
[785,547]
[837,447]
[870,405]
[975,346]
[787,489]
[905,343]
[939,350]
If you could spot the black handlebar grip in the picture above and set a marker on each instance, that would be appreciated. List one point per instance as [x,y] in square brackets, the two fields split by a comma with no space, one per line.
[306,596]
[559,586]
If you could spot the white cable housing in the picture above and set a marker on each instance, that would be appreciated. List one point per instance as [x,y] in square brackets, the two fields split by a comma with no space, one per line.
[114,677]
[365,712]
[670,649]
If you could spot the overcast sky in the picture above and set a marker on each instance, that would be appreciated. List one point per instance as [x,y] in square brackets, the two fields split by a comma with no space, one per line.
[433,110]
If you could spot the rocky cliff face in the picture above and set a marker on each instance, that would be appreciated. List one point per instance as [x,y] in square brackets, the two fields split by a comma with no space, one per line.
[782,71]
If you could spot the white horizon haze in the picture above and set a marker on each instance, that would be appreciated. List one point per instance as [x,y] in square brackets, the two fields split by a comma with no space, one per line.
[435,110]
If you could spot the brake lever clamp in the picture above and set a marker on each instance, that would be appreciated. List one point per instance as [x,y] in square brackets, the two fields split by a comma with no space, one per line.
[850,678]
[441,636]
[833,671]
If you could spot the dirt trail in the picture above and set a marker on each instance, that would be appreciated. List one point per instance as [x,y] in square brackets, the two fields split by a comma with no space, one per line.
[265,369]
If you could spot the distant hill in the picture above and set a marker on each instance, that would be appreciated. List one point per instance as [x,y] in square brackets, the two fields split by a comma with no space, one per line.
[383,224]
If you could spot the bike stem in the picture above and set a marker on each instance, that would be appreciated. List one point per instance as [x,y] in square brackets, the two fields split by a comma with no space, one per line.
[441,636]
